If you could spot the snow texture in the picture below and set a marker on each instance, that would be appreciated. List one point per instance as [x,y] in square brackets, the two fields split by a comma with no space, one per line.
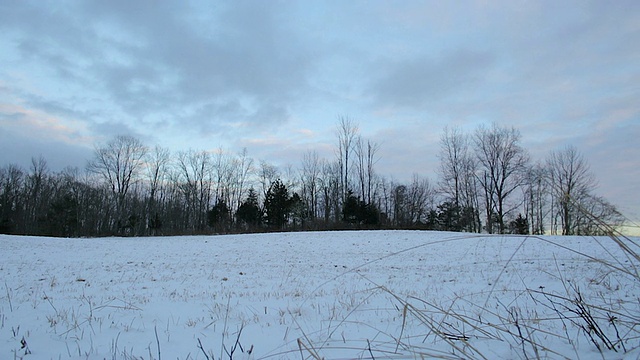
[333,295]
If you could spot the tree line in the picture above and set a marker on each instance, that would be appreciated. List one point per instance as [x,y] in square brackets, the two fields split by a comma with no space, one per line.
[486,182]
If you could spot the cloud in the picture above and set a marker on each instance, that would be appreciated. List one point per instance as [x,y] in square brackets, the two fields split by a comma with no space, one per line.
[29,123]
[17,149]
[27,133]
[209,63]
[419,81]
[613,155]
[400,162]
[158,59]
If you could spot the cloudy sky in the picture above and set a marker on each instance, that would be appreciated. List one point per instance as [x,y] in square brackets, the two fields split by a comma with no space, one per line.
[274,76]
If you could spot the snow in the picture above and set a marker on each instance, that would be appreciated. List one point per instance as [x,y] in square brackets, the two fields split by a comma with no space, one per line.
[381,294]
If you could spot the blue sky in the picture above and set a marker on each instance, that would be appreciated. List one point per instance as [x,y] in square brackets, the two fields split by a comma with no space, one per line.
[274,76]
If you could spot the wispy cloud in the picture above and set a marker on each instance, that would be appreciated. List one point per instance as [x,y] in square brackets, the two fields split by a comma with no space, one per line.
[26,122]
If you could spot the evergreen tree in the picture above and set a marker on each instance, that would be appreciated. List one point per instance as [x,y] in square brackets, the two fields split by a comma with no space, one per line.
[519,225]
[356,211]
[277,205]
[299,211]
[448,217]
[219,216]
[351,209]
[370,215]
[62,216]
[249,212]
[432,220]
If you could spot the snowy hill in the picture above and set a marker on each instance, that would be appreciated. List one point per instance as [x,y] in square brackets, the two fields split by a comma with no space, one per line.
[334,295]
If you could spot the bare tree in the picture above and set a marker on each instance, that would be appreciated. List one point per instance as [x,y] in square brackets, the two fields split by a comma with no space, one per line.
[535,193]
[366,158]
[243,167]
[222,172]
[457,177]
[471,196]
[347,133]
[385,198]
[331,194]
[502,163]
[420,195]
[310,181]
[119,164]
[571,181]
[407,205]
[596,216]
[400,205]
[37,193]
[267,174]
[454,151]
[11,183]
[157,164]
[194,169]
[158,161]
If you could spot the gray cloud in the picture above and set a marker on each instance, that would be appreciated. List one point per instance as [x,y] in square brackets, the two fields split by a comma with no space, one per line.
[159,58]
[420,81]
[16,149]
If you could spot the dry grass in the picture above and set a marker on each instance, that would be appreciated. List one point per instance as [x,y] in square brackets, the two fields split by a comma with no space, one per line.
[531,320]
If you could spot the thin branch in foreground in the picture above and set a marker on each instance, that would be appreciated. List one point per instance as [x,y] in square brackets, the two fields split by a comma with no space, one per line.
[308,349]
[202,348]
[155,329]
[9,296]
[369,348]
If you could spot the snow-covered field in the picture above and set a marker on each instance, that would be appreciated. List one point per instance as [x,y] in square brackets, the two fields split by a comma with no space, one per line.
[368,294]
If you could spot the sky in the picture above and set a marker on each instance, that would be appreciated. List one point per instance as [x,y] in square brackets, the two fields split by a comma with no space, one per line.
[274,77]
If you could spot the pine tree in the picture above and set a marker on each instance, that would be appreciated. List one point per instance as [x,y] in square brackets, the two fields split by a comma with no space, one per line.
[277,205]
[519,226]
[249,211]
[219,216]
